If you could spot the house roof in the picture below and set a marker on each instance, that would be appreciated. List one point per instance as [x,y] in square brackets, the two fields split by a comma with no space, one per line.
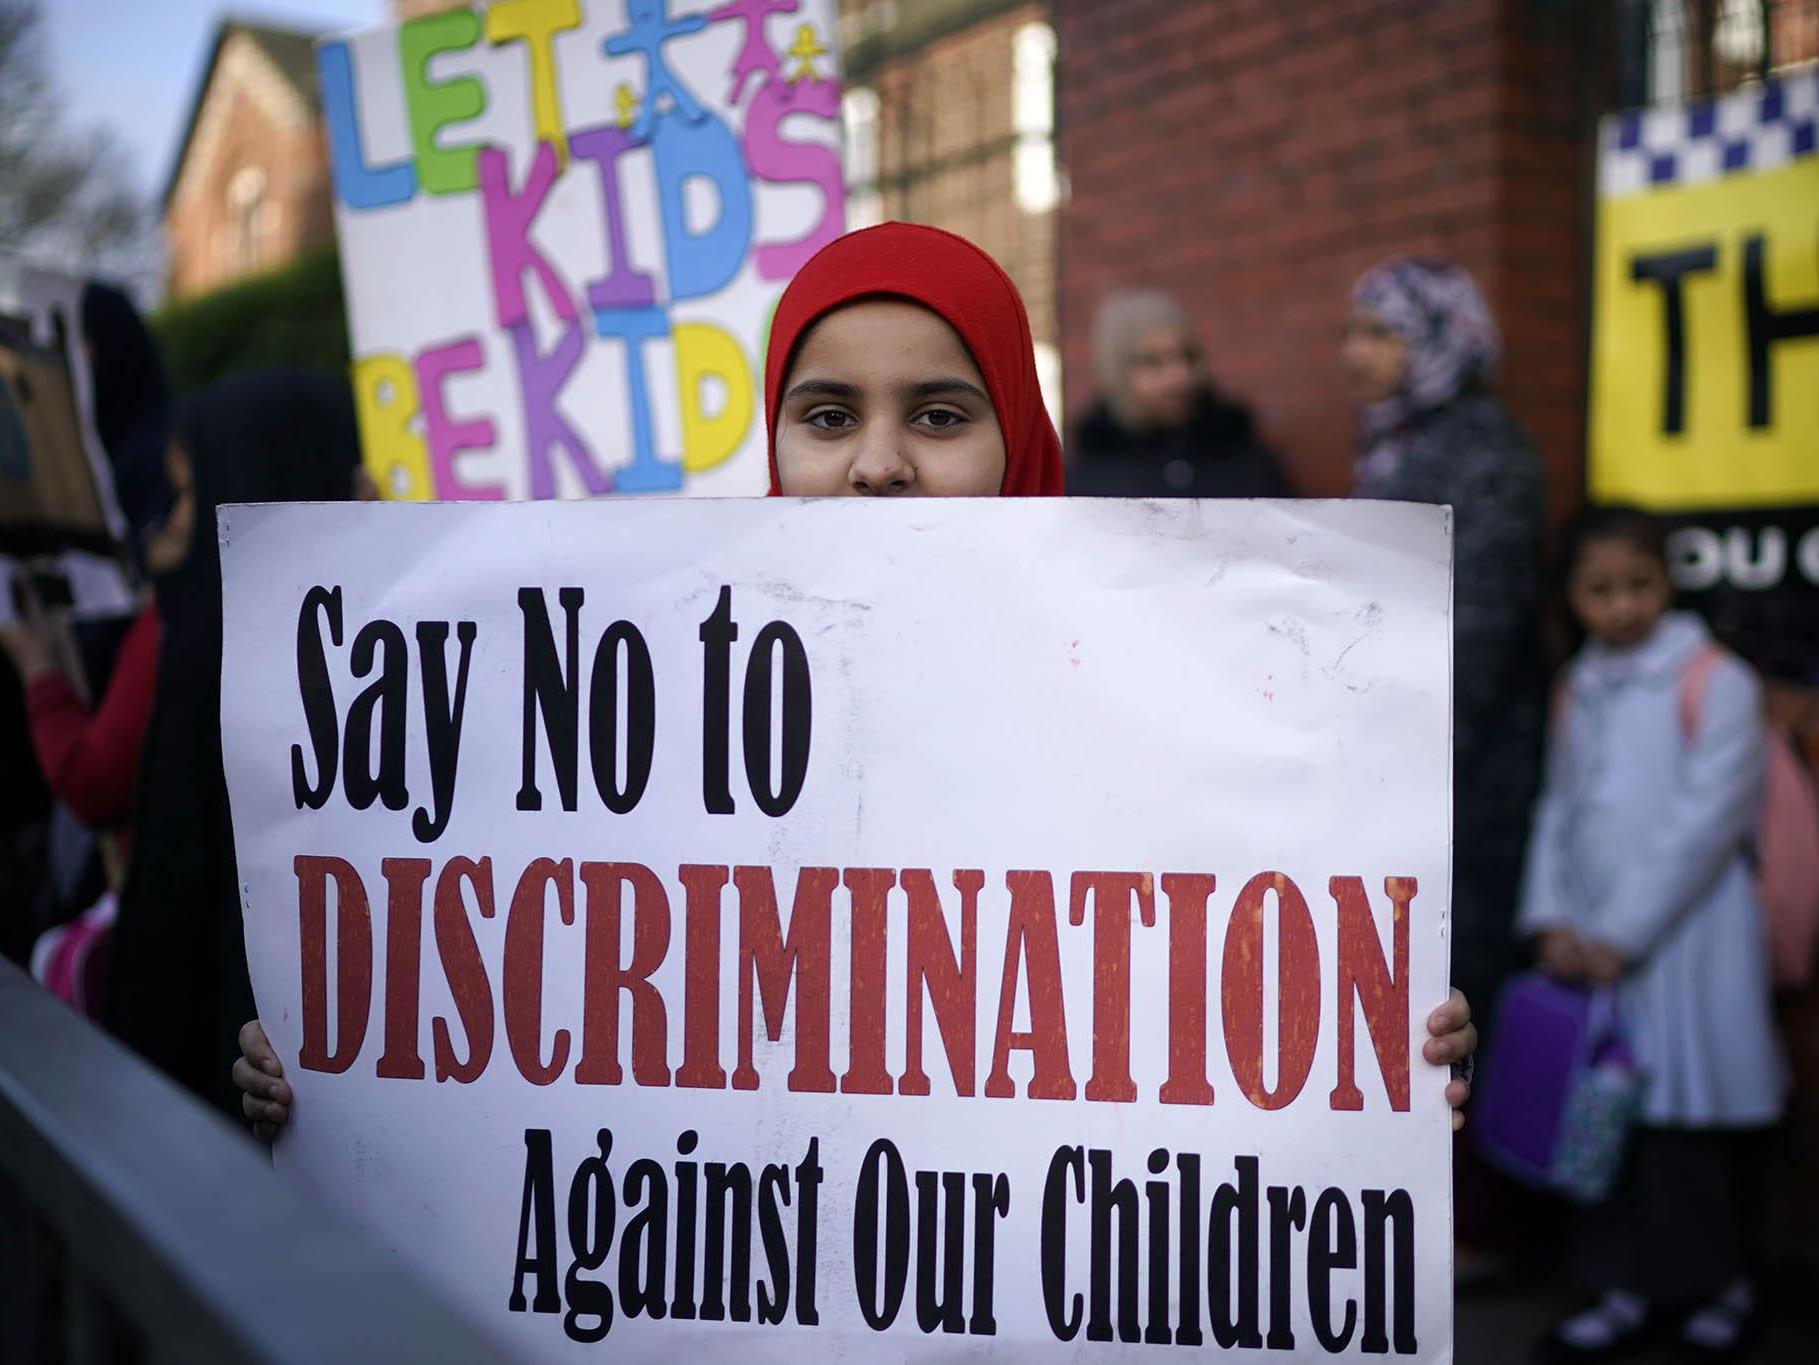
[291,51]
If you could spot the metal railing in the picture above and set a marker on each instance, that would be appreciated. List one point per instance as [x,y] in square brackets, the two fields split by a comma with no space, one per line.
[136,1225]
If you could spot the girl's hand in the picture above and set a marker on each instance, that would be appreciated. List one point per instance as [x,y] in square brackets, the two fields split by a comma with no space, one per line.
[1562,954]
[1454,1039]
[265,1098]
[1604,965]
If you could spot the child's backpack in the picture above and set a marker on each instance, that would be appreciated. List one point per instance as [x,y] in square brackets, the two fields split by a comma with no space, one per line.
[1786,845]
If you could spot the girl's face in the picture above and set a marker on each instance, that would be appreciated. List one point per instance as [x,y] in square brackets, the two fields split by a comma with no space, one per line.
[1374,358]
[1618,591]
[884,399]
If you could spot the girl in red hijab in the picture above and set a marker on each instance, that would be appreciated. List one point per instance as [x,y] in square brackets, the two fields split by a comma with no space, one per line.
[900,362]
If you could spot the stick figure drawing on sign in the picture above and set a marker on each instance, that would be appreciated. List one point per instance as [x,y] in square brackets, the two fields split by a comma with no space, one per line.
[651,29]
[756,56]
[807,47]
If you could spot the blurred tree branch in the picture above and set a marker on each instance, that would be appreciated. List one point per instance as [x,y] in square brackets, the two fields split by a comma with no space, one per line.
[66,195]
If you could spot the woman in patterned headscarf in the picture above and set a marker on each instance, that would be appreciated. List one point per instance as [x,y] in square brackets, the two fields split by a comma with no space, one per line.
[1421,349]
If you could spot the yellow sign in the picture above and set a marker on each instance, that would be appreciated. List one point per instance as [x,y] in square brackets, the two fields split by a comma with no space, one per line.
[1705,345]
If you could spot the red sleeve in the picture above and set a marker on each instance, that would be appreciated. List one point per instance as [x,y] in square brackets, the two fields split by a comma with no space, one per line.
[91,761]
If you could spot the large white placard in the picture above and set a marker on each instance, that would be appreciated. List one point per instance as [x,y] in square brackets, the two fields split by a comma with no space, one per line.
[775,930]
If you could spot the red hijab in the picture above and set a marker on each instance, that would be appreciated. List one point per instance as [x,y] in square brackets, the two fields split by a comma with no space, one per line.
[956,280]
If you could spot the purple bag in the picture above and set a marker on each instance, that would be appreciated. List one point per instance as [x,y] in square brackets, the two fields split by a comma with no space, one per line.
[1559,1090]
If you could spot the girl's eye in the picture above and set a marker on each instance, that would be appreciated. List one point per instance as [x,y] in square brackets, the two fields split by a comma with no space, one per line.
[832,419]
[941,419]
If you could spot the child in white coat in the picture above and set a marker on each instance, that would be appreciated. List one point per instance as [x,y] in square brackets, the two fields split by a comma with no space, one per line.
[1639,876]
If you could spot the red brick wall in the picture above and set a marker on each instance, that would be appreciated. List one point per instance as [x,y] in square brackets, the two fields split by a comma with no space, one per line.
[1254,157]
[946,152]
[947,146]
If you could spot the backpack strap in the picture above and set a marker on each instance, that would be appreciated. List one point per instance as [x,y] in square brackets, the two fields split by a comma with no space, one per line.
[1693,684]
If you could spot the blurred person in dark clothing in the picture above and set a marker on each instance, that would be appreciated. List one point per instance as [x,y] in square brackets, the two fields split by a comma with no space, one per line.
[1420,350]
[46,745]
[24,826]
[89,758]
[177,985]
[1160,429]
[132,399]
[90,755]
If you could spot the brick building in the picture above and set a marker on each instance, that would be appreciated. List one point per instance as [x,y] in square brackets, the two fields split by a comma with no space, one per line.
[950,117]
[250,186]
[1254,158]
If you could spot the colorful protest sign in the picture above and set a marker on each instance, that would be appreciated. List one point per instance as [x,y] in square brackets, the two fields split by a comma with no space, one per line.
[740,930]
[564,225]
[1705,350]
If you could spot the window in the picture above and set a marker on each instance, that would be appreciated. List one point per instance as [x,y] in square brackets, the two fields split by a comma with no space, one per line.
[246,216]
[859,112]
[1038,187]
[1739,36]
[1667,51]
[1048,378]
[1674,50]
